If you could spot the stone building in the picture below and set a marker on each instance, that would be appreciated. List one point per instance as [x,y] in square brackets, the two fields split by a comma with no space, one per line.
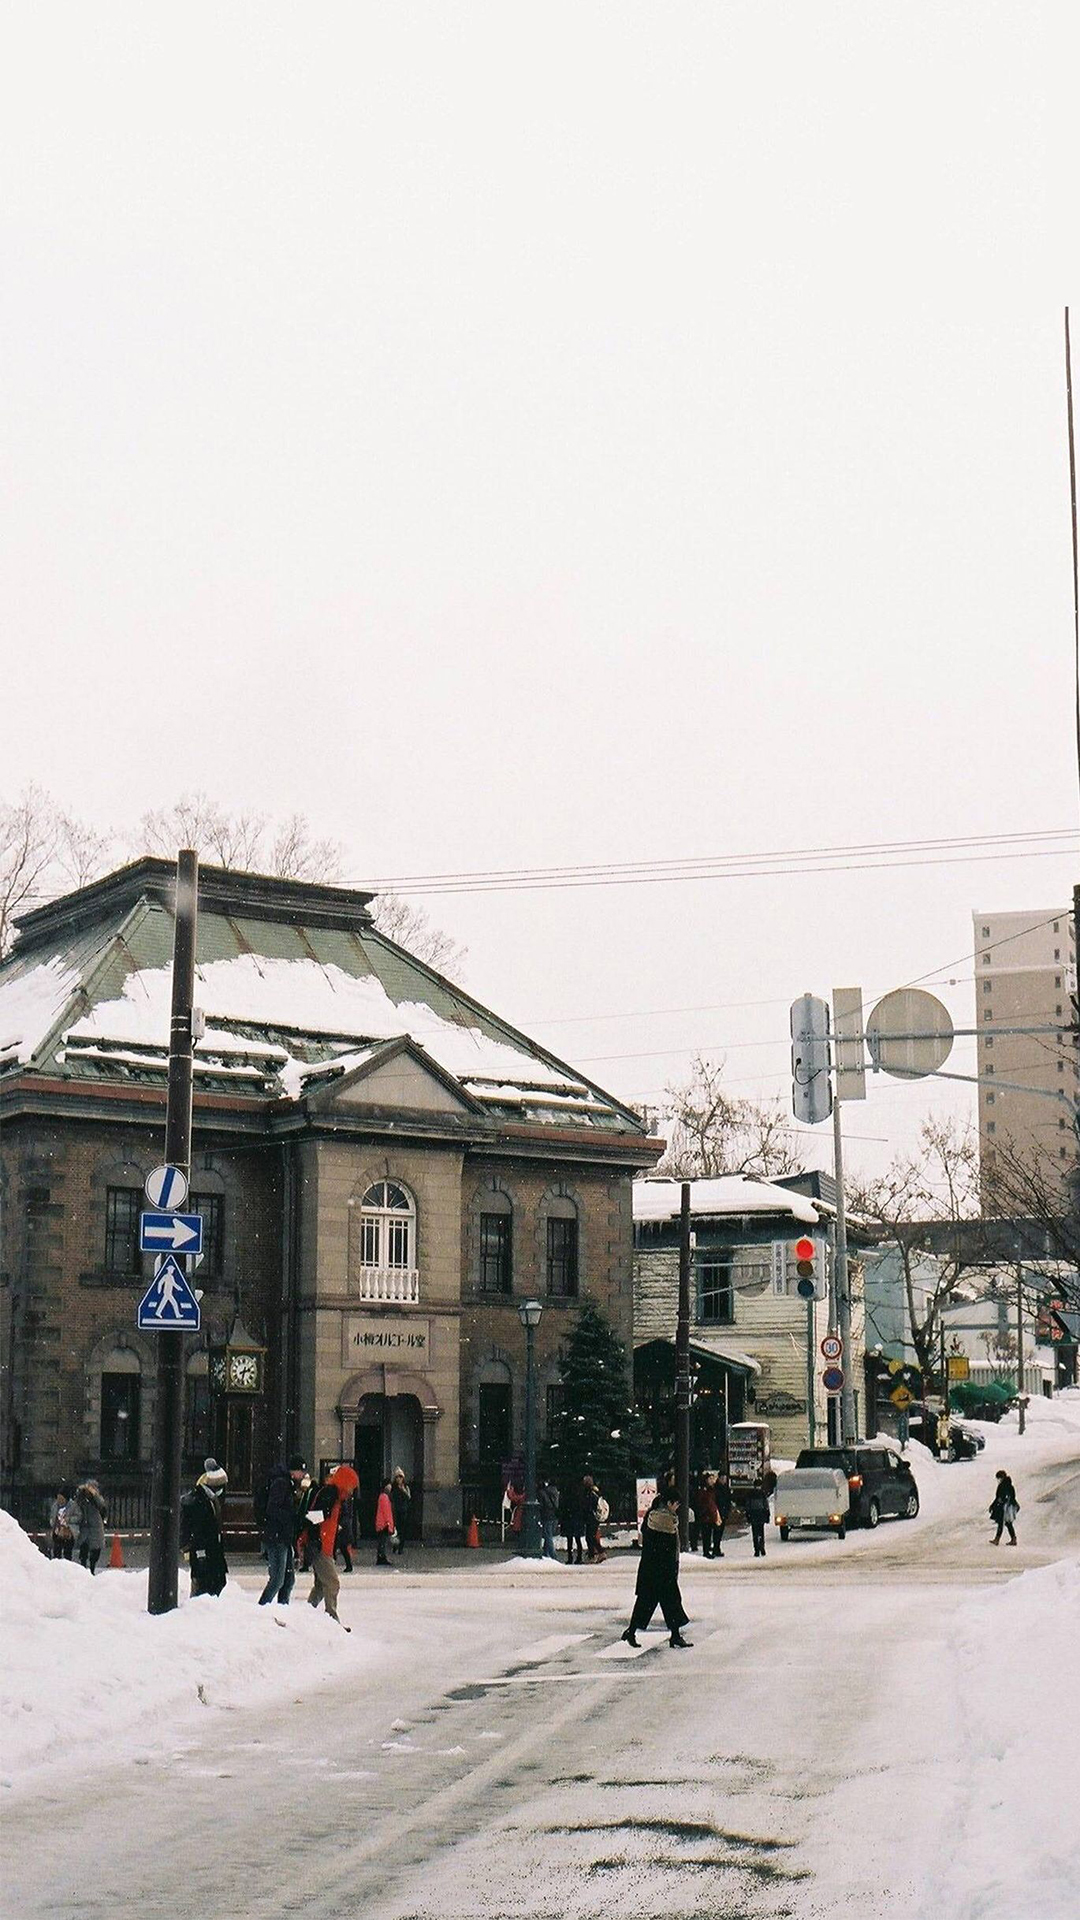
[749,1329]
[384,1170]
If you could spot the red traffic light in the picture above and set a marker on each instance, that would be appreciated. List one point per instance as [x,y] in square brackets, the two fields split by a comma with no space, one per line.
[804,1249]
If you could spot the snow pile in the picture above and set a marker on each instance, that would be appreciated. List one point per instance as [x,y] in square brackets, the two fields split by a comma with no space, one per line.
[86,1667]
[1018,1838]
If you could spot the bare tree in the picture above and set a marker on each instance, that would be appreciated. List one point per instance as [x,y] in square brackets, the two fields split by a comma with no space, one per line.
[294,855]
[938,1183]
[712,1132]
[41,849]
[228,839]
[410,928]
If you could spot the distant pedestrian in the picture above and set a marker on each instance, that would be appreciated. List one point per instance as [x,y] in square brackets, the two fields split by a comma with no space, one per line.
[596,1512]
[200,1531]
[572,1515]
[401,1501]
[384,1524]
[279,1531]
[1004,1508]
[61,1530]
[708,1515]
[322,1518]
[658,1573]
[93,1514]
[755,1505]
[548,1500]
[346,1533]
[722,1496]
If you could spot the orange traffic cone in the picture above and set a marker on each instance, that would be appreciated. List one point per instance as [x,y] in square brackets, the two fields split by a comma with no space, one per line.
[116,1557]
[472,1532]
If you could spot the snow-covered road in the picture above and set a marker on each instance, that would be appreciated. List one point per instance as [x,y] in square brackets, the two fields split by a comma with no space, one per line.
[863,1727]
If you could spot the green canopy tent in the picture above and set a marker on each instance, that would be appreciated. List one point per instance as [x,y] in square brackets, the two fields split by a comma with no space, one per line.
[995,1396]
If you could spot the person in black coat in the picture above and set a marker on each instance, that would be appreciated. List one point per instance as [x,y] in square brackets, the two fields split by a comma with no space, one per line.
[755,1505]
[658,1573]
[1004,1508]
[722,1491]
[572,1520]
[401,1501]
[201,1531]
[279,1531]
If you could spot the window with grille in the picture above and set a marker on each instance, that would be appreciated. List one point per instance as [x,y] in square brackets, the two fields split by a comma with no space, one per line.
[553,1407]
[495,1252]
[387,1226]
[211,1208]
[715,1298]
[120,1416]
[123,1206]
[562,1259]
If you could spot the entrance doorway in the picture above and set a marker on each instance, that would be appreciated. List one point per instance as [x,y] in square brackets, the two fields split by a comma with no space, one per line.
[389,1434]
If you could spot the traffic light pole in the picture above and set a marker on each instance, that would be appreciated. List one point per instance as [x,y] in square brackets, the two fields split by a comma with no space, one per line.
[682,1373]
[169,1398]
[843,1293]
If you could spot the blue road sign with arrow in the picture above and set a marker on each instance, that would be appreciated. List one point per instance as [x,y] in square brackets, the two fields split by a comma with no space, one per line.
[168,1305]
[170,1232]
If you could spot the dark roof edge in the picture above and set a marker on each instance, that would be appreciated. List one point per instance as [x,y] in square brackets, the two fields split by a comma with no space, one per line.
[220,888]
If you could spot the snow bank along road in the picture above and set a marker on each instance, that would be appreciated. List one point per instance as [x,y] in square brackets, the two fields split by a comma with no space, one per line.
[854,1732]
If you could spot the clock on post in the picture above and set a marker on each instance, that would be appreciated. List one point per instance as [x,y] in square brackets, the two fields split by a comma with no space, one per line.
[237,1370]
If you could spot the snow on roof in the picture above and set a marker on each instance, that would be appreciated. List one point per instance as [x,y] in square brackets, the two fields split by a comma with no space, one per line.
[30,1004]
[305,996]
[732,1193]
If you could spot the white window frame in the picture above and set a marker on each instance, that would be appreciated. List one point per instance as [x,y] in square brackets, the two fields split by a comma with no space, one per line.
[387,1228]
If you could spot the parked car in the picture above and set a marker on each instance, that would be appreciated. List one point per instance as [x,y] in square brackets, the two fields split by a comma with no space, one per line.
[812,1498]
[964,1441]
[879,1481]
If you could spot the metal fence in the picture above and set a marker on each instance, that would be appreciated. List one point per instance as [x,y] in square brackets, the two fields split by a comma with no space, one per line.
[128,1505]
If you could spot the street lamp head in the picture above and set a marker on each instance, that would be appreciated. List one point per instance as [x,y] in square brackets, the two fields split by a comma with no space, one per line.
[529,1312]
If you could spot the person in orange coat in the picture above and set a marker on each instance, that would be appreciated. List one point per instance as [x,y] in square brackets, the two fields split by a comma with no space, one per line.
[384,1524]
[323,1514]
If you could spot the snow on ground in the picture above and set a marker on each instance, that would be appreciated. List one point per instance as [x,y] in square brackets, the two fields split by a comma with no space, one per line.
[87,1668]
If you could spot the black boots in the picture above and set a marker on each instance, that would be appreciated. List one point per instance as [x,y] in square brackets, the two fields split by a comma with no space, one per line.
[630,1637]
[678,1641]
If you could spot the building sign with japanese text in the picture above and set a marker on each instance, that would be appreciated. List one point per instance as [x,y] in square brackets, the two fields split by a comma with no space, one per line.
[397,1338]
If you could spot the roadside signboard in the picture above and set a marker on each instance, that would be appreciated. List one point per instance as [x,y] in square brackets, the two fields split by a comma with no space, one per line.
[166,1187]
[959,1366]
[832,1346]
[170,1232]
[168,1305]
[901,1397]
[832,1380]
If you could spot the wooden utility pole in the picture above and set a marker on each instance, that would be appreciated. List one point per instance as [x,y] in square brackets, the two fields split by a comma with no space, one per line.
[1020,1343]
[682,1373]
[171,1345]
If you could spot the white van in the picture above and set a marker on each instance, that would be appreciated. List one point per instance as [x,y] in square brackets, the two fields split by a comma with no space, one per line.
[812,1499]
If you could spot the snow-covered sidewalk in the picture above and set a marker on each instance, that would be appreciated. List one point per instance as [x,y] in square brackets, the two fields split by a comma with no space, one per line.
[88,1673]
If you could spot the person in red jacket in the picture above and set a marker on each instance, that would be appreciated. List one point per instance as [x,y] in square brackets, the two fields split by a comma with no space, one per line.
[384,1524]
[323,1514]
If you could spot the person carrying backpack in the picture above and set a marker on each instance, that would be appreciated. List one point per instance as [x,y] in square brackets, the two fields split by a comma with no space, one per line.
[322,1517]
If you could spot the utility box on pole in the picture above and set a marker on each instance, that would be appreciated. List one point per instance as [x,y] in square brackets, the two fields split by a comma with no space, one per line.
[811,1091]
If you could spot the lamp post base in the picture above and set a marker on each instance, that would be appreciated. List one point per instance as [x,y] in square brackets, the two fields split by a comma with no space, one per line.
[532,1534]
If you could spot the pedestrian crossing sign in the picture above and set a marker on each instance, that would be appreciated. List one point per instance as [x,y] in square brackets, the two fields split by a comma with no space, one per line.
[168,1305]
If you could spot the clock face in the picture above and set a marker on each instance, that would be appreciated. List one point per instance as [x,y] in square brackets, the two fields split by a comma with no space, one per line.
[217,1372]
[244,1371]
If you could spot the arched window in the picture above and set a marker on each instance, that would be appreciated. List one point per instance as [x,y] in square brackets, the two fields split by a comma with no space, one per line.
[387,1227]
[496,1244]
[121,1384]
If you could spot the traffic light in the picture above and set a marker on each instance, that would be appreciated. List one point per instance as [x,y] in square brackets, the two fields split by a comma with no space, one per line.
[809,1267]
[811,1093]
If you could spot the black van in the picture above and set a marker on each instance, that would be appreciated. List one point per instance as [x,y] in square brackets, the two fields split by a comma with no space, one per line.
[879,1481]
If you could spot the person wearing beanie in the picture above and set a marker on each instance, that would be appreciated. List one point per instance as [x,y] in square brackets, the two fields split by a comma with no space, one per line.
[200,1530]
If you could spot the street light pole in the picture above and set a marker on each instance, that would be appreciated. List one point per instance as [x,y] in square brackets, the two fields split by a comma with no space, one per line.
[682,1372]
[529,1313]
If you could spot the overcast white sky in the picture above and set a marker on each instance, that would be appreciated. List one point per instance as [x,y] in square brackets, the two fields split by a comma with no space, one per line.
[524,437]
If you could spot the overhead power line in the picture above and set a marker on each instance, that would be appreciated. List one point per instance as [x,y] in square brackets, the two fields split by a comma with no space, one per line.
[880,856]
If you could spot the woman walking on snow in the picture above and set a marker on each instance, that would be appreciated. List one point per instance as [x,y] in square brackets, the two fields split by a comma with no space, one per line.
[658,1573]
[384,1523]
[92,1517]
[1004,1508]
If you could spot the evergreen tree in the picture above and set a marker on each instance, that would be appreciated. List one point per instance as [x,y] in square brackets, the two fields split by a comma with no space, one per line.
[597,1429]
